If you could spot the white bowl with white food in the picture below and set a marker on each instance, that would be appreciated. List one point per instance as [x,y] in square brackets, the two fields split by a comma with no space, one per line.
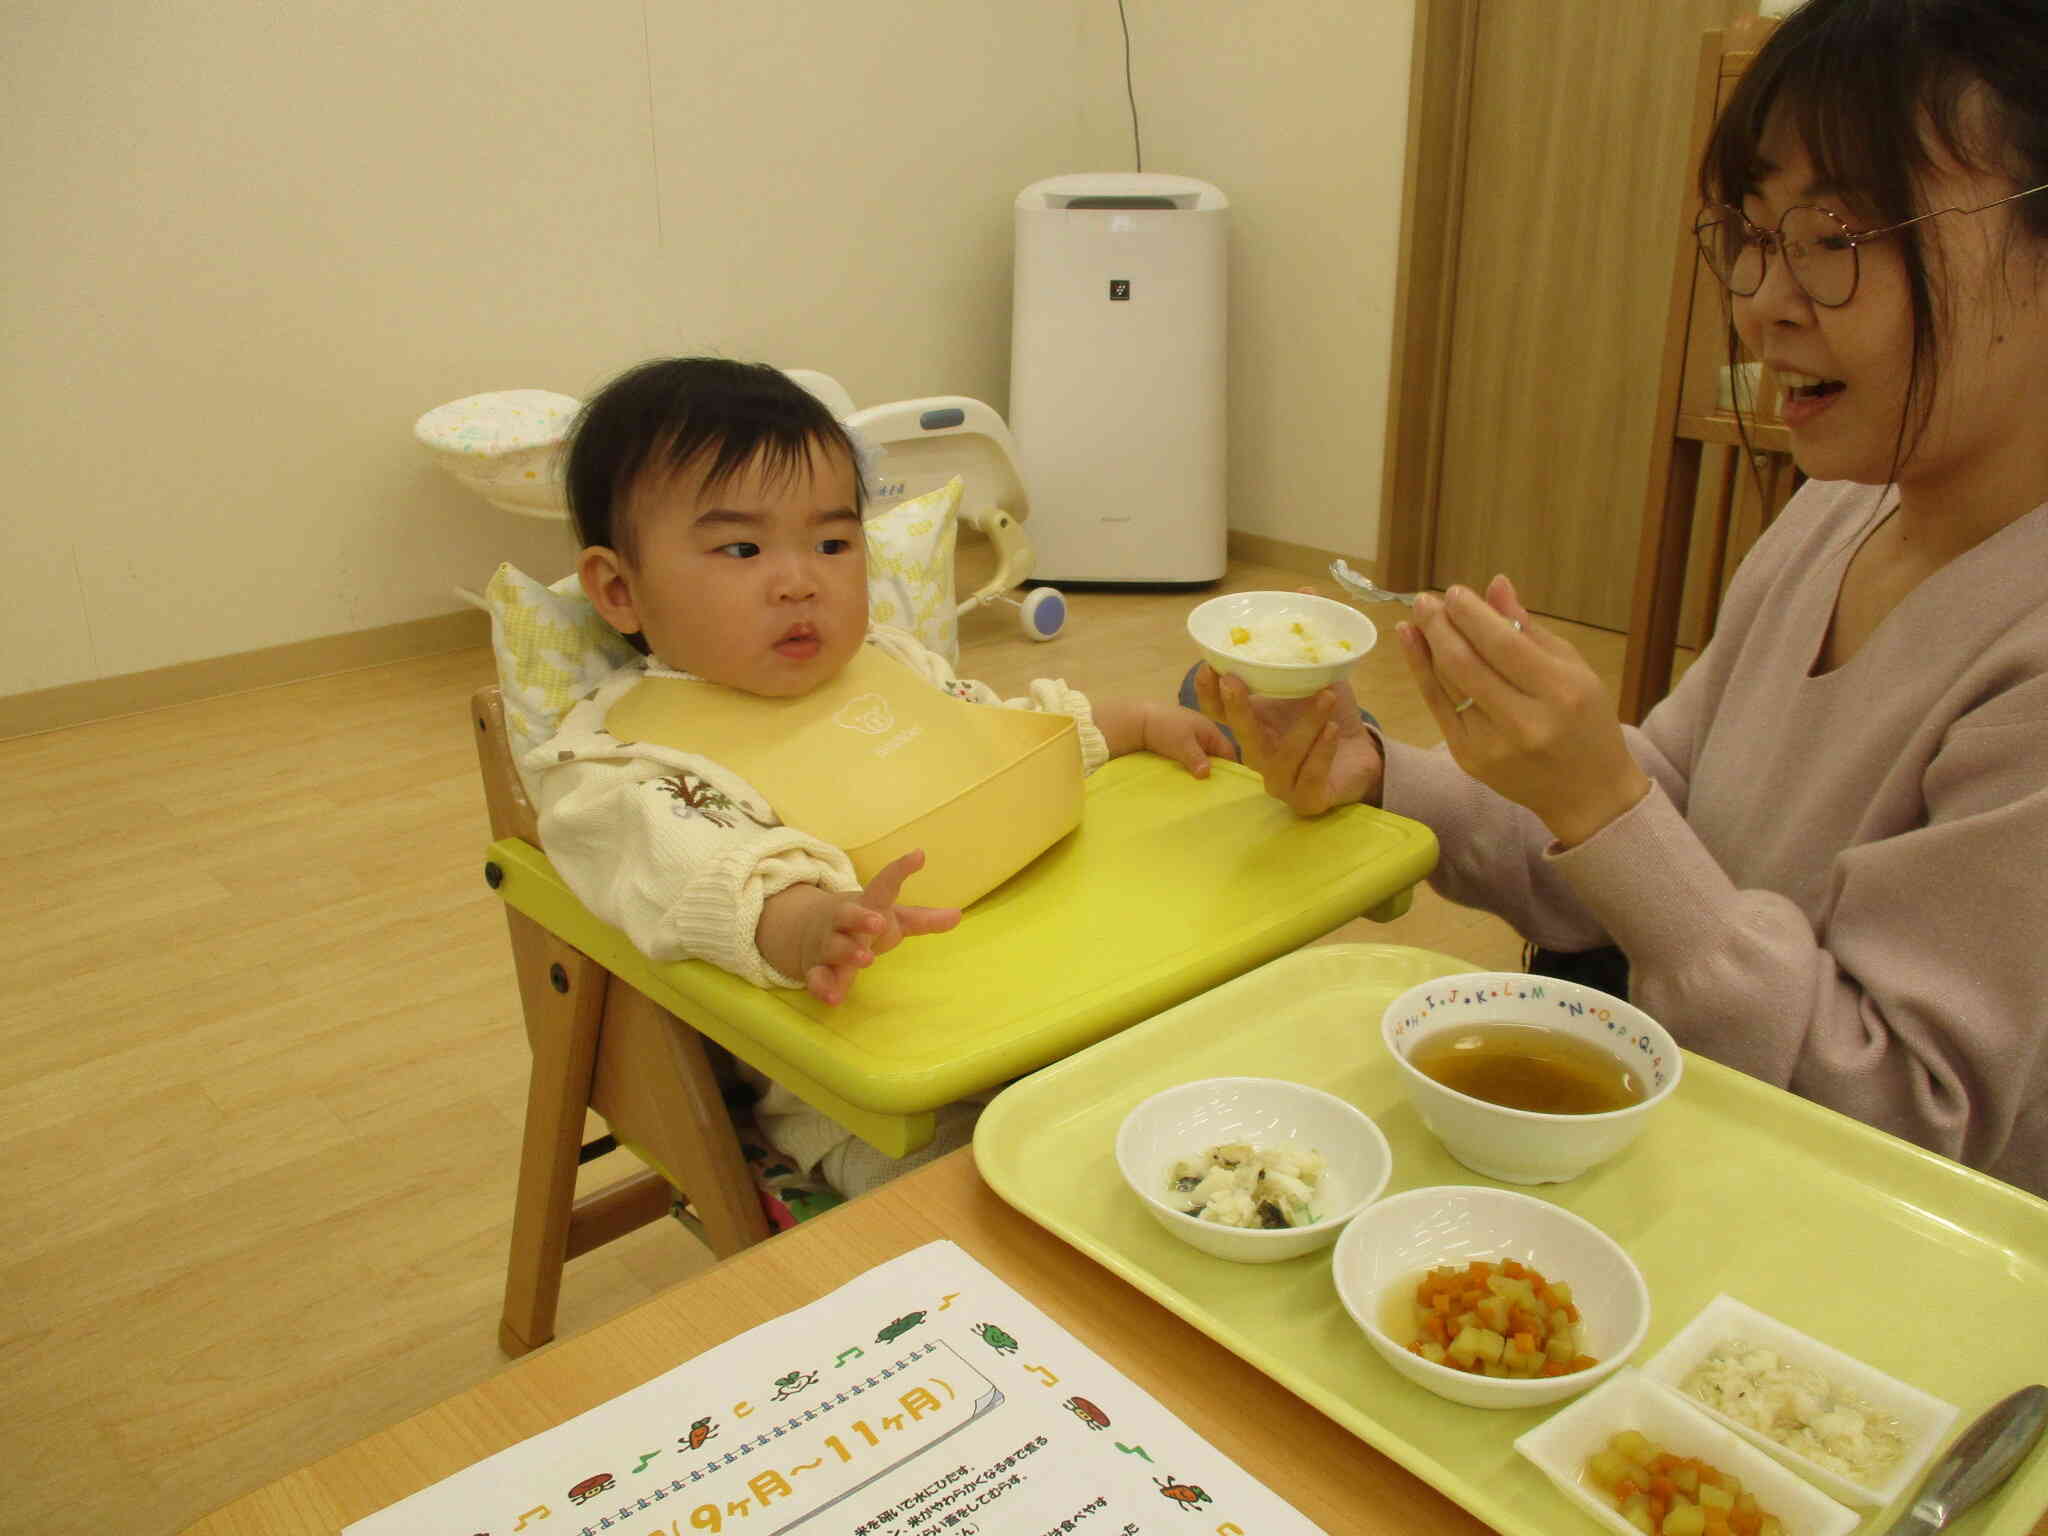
[1844,1426]
[1563,1443]
[1286,645]
[1289,1122]
[1388,1247]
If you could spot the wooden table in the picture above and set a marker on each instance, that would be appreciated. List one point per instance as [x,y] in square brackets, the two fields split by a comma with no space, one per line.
[1332,1477]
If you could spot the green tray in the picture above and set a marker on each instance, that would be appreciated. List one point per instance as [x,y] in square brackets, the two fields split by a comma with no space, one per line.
[1906,1260]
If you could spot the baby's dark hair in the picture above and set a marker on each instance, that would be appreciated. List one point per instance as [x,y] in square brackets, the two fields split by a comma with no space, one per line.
[1866,86]
[676,413]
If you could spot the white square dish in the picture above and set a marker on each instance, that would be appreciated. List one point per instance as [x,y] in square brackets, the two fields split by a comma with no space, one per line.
[1560,1445]
[1923,1420]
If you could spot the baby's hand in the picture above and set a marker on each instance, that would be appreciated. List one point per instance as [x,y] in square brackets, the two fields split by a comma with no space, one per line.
[1190,739]
[842,935]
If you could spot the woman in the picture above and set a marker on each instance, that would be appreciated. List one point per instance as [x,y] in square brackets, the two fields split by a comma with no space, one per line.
[1821,856]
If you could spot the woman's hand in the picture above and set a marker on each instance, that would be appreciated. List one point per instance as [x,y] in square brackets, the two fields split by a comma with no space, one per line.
[830,937]
[1521,710]
[1313,753]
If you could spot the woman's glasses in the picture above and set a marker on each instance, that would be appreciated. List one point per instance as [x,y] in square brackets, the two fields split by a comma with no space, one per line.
[1819,249]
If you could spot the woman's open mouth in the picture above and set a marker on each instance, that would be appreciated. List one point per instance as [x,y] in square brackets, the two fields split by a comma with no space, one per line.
[1806,396]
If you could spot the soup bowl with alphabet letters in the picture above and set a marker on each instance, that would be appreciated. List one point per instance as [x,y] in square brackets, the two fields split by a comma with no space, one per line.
[1529,1079]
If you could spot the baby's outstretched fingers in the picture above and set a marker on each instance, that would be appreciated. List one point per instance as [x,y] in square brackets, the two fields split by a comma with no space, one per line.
[828,983]
[882,891]
[899,922]
[919,920]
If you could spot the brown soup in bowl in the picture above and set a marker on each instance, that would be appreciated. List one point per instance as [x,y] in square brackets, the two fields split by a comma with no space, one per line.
[1525,1066]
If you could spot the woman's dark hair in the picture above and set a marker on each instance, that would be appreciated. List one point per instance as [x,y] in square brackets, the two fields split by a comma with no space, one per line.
[1866,86]
[676,413]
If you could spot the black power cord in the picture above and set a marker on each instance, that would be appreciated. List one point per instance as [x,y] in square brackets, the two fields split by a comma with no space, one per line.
[1137,147]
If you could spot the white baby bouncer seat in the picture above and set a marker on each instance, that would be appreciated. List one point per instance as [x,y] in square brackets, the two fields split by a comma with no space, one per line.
[507,447]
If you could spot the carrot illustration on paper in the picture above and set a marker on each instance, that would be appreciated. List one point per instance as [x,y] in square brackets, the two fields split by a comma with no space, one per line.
[1186,1495]
[702,1430]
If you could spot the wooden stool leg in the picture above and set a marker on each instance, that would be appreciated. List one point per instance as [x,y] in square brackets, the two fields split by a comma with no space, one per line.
[563,992]
[655,1087]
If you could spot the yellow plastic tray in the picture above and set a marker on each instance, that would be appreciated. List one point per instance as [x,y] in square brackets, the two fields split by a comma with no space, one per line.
[1920,1267]
[1170,885]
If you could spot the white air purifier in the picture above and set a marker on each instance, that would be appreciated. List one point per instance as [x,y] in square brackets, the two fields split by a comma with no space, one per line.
[1117,377]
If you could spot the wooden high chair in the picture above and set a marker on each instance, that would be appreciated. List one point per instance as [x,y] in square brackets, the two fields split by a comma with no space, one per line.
[1170,886]
[598,1043]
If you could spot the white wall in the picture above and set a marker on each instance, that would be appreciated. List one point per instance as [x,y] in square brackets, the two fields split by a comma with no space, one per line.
[246,244]
[1299,113]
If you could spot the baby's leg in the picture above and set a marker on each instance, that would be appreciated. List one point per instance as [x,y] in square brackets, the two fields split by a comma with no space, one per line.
[853,1167]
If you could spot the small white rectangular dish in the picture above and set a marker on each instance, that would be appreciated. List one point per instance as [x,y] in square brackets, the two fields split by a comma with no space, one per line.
[1924,1420]
[1560,1445]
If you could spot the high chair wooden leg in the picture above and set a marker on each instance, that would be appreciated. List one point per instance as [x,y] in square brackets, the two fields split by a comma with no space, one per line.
[563,992]
[600,1044]
[655,1087]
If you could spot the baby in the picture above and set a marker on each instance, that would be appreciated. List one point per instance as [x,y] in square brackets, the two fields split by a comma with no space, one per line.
[719,505]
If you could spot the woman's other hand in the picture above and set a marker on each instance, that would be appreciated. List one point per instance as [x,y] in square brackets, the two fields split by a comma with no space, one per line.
[1313,753]
[1520,709]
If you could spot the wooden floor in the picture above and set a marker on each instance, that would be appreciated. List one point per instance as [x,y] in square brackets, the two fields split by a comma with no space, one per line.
[263,1068]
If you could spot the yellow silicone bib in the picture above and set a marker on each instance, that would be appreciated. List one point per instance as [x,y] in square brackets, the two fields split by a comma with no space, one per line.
[877,762]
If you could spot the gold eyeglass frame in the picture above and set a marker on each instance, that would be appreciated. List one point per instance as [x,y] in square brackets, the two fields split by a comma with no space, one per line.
[1768,240]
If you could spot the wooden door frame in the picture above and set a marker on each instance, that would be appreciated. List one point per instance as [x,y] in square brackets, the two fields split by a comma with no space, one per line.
[1425,285]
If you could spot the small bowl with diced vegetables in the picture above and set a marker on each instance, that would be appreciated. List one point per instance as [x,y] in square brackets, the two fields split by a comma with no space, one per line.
[1488,1297]
[1252,1169]
[1636,1457]
[1286,645]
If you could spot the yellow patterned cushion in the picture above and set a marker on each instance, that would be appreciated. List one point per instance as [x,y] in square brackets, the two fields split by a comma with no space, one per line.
[910,567]
[551,648]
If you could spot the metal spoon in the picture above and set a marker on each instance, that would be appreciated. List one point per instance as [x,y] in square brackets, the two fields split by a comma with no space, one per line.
[1983,1456]
[1364,586]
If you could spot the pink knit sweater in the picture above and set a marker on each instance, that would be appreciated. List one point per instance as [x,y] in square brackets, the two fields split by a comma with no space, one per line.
[1839,883]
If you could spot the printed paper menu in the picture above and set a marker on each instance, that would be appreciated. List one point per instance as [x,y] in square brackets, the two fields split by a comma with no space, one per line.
[926,1398]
